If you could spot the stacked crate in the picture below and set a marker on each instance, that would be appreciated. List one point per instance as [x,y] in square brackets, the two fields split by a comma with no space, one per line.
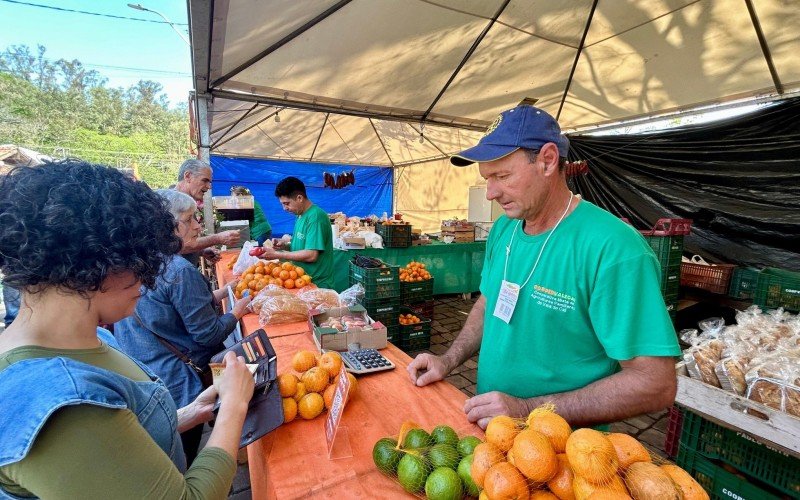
[395,235]
[778,288]
[417,298]
[381,295]
[743,283]
[666,240]
[417,336]
[729,464]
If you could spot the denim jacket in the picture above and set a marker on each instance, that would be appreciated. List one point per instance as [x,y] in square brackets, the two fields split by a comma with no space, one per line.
[32,390]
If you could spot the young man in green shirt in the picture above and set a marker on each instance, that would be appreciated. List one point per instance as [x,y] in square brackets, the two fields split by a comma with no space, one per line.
[312,238]
[570,309]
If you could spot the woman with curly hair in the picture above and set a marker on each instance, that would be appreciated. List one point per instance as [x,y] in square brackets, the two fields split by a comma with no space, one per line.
[176,322]
[81,419]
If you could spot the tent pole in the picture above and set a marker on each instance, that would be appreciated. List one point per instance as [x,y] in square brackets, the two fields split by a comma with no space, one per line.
[204,150]
[762,40]
[577,58]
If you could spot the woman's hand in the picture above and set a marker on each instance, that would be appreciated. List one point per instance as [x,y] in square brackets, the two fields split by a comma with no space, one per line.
[236,384]
[198,411]
[240,308]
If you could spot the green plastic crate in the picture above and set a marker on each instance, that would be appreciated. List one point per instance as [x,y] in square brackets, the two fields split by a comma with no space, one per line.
[393,334]
[718,482]
[417,291]
[744,283]
[668,249]
[417,336]
[395,235]
[386,311]
[713,441]
[778,288]
[424,309]
[378,283]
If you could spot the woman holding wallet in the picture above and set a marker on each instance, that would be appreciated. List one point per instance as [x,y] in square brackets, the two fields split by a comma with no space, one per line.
[175,328]
[81,419]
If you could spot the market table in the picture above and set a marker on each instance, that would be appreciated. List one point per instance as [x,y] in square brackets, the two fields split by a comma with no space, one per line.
[292,461]
[455,267]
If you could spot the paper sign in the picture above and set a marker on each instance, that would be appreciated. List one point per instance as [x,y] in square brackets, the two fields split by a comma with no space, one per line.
[337,407]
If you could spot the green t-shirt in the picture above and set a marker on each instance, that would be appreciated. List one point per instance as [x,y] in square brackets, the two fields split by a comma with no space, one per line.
[593,300]
[260,223]
[88,451]
[312,231]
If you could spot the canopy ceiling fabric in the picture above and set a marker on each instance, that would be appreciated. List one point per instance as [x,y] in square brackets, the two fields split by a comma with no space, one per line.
[459,63]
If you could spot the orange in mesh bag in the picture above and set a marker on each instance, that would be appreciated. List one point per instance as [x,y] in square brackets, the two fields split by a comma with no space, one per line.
[279,309]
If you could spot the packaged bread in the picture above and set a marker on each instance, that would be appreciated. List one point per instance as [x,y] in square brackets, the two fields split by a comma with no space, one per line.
[775,382]
[701,360]
[265,294]
[320,299]
[281,309]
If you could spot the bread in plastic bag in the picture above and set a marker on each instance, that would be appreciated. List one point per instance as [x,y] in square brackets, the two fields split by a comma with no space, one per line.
[279,309]
[776,382]
[264,294]
[352,296]
[320,299]
[702,359]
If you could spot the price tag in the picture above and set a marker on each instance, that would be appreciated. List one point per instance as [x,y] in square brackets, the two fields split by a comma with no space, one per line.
[337,407]
[506,301]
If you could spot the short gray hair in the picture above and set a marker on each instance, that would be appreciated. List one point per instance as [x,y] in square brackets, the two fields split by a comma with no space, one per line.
[192,165]
[178,202]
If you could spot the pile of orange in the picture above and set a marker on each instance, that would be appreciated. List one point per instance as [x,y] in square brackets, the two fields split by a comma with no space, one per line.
[542,457]
[310,388]
[283,274]
[408,319]
[414,271]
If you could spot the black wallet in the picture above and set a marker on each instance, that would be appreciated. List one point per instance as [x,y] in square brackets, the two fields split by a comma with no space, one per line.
[265,412]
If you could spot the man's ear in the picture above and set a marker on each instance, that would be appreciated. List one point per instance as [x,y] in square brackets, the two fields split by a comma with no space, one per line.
[550,158]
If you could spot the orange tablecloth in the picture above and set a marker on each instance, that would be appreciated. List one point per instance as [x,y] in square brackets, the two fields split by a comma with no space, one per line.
[250,321]
[292,461]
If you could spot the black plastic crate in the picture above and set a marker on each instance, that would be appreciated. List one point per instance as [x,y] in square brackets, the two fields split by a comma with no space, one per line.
[395,235]
[416,291]
[378,283]
[744,282]
[393,334]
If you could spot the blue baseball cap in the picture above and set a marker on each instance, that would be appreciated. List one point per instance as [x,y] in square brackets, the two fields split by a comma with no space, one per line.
[522,127]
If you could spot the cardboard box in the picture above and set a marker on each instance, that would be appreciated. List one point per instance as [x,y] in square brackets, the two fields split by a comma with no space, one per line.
[354,243]
[331,339]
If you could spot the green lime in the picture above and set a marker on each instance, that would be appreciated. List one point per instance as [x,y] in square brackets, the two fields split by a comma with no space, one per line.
[445,434]
[467,445]
[443,455]
[417,438]
[443,484]
[464,472]
[385,455]
[412,471]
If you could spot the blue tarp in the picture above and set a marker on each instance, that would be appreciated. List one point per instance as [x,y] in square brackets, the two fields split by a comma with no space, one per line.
[371,194]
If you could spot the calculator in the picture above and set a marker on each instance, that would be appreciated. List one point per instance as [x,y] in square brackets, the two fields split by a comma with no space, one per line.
[363,361]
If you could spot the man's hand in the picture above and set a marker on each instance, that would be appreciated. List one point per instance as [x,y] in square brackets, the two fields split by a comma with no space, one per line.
[229,238]
[481,408]
[279,243]
[198,411]
[211,255]
[432,368]
[270,254]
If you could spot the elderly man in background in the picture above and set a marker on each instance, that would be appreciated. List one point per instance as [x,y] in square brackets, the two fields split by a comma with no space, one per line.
[194,179]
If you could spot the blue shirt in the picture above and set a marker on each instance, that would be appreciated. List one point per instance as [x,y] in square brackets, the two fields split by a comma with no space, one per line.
[181,310]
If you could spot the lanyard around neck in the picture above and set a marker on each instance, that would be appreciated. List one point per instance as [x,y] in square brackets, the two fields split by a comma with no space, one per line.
[535,264]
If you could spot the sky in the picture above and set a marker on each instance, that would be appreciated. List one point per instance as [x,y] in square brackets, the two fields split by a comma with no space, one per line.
[122,50]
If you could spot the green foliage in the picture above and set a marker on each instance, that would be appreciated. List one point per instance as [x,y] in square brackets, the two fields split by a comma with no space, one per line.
[62,109]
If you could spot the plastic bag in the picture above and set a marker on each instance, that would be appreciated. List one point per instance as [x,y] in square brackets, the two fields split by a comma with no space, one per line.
[711,328]
[776,383]
[320,299]
[245,260]
[264,295]
[279,309]
[352,296]
[701,360]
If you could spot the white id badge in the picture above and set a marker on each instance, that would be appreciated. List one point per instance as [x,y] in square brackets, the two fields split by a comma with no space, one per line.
[506,301]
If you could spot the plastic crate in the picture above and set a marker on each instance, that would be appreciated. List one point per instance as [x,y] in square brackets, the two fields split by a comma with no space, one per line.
[720,483]
[393,334]
[379,283]
[713,441]
[423,309]
[713,278]
[778,288]
[674,423]
[395,235]
[668,249]
[384,310]
[743,283]
[416,291]
[417,336]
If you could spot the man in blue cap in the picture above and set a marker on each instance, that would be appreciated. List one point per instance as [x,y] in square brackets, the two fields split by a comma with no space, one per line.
[570,310]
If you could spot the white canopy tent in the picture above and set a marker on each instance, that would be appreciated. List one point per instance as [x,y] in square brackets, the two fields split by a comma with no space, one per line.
[359,81]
